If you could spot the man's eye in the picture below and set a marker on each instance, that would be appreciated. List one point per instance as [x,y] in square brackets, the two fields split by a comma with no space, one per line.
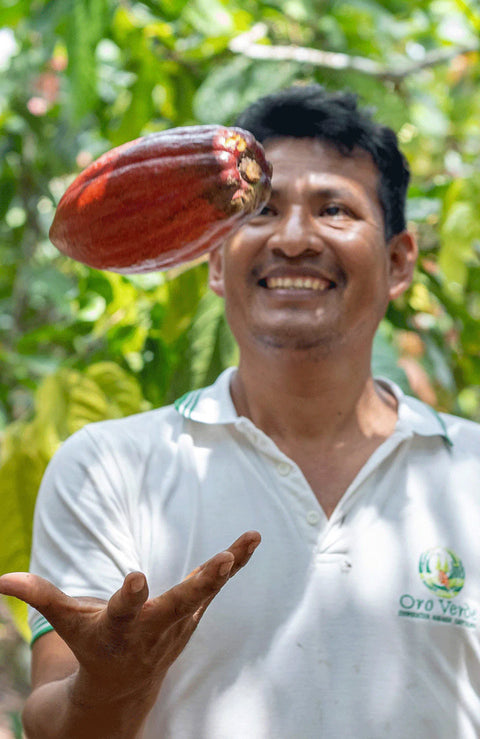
[334,210]
[267,210]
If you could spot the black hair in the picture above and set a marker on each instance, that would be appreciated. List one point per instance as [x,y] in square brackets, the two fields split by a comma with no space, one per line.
[310,111]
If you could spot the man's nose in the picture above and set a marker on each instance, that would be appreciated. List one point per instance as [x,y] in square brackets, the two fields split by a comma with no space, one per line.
[294,234]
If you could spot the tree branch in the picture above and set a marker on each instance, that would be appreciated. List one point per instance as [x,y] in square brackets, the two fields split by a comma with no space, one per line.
[246,44]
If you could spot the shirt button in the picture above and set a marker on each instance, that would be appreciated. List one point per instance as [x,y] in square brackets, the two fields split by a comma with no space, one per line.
[313,517]
[283,468]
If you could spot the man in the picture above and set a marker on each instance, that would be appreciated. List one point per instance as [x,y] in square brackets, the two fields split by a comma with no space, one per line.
[357,616]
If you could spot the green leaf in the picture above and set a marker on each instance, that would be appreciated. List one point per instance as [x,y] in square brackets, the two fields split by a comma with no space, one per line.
[385,361]
[181,295]
[122,391]
[13,12]
[169,9]
[87,21]
[210,17]
[460,228]
[210,346]
[26,451]
[155,374]
[231,87]
[7,189]
[71,399]
[65,402]
[19,612]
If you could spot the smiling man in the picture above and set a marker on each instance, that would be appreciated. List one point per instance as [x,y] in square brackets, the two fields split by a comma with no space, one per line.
[306,284]
[358,615]
[325,251]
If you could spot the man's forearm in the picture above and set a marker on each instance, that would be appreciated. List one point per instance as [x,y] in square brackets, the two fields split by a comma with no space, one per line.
[61,709]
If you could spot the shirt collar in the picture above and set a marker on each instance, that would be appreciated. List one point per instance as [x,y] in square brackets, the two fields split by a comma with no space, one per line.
[211,404]
[214,405]
[414,416]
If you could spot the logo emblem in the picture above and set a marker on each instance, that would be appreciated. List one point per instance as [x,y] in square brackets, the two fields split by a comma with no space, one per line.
[442,571]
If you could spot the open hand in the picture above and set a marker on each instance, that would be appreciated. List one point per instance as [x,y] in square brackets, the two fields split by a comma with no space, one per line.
[125,646]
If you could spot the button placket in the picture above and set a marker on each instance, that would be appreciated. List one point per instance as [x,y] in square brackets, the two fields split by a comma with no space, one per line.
[293,480]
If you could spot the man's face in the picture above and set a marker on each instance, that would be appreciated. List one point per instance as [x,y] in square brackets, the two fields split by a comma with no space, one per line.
[313,270]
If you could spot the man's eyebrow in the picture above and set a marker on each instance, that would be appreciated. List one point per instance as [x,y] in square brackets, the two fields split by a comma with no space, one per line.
[333,192]
[327,191]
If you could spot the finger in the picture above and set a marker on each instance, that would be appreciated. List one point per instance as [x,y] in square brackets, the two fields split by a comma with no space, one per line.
[38,593]
[127,602]
[200,587]
[243,548]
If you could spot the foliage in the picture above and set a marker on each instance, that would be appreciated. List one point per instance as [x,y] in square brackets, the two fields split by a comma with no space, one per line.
[82,76]
[65,401]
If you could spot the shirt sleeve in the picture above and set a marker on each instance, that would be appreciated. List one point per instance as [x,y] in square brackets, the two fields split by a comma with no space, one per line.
[83,538]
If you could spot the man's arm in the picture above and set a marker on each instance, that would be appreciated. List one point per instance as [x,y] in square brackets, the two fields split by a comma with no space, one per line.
[99,675]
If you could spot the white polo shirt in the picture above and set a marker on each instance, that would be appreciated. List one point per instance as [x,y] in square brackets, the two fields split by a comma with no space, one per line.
[361,626]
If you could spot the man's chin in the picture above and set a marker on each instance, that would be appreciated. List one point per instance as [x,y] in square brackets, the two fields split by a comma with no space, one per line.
[297,341]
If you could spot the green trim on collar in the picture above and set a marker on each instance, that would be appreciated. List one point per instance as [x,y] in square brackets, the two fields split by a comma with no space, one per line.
[186,403]
[212,404]
[443,425]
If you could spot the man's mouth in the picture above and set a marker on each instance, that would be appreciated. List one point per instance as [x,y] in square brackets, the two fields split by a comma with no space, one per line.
[297,282]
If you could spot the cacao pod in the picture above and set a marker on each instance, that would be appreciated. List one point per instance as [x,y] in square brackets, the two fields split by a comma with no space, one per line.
[162,199]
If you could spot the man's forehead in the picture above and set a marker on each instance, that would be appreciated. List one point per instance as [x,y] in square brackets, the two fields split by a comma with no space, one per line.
[316,151]
[319,163]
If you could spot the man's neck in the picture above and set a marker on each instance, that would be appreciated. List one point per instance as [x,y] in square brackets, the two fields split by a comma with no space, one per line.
[327,416]
[325,401]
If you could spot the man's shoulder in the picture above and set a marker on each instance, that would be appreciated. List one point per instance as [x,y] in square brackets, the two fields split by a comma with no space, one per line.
[157,421]
[123,441]
[460,434]
[189,414]
[462,430]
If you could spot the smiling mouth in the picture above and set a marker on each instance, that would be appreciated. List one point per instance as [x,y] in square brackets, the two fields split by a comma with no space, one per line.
[296,283]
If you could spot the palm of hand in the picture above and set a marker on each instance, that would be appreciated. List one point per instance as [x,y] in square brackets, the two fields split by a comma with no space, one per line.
[127,644]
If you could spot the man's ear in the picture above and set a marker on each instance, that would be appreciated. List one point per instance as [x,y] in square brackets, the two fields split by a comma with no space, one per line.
[403,252]
[215,271]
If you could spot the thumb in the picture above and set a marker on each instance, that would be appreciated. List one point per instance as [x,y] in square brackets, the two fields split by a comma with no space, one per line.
[37,592]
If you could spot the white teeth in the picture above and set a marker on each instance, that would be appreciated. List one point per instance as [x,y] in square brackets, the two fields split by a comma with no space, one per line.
[297,283]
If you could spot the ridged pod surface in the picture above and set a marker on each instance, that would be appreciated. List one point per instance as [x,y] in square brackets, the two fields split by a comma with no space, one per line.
[163,199]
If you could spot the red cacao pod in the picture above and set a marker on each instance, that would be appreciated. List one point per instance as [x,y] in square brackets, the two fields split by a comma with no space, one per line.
[162,199]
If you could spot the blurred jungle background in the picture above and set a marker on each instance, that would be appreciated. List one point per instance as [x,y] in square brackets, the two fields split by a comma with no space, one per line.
[81,76]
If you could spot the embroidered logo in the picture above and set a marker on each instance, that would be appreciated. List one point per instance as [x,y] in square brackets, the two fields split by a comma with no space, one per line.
[442,572]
